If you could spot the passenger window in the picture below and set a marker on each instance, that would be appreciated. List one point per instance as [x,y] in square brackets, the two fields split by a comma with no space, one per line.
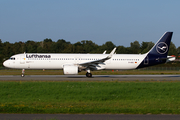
[12,58]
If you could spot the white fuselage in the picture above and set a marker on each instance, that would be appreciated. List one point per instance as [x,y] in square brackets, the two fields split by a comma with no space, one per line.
[74,63]
[56,61]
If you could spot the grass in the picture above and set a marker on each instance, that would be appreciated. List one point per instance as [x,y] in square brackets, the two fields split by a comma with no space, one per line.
[90,97]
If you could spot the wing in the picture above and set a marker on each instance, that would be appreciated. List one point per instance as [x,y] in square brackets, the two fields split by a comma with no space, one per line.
[94,64]
[104,52]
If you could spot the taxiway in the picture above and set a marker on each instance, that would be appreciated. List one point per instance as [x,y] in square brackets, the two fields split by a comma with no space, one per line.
[94,78]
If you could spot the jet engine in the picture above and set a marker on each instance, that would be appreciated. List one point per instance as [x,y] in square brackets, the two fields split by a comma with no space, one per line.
[70,69]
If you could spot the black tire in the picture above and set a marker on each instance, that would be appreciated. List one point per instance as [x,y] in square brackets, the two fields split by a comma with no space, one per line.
[22,75]
[88,74]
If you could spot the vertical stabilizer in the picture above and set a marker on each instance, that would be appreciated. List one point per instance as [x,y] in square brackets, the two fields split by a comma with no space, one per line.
[162,46]
[158,53]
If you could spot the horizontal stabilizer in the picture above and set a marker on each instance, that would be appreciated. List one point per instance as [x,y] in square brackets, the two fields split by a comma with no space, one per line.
[170,58]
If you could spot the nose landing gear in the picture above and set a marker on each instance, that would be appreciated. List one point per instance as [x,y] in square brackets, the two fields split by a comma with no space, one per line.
[23,73]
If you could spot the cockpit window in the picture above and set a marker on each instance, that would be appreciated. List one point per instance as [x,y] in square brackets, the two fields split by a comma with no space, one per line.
[12,58]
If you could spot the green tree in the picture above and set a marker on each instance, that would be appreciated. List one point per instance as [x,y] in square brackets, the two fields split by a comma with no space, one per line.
[178,50]
[7,50]
[18,47]
[31,46]
[172,50]
[89,46]
[2,56]
[78,48]
[68,48]
[109,46]
[135,47]
[121,50]
[146,46]
[1,47]
[60,46]
[47,45]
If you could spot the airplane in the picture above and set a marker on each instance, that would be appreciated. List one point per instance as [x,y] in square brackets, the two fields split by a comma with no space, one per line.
[72,64]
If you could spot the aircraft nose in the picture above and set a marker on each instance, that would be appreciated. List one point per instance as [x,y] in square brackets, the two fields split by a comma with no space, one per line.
[6,63]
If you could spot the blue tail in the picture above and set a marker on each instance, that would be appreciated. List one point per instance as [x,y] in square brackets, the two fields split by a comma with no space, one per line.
[162,46]
[158,54]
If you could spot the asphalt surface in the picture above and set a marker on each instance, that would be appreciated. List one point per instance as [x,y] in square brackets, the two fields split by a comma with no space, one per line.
[94,78]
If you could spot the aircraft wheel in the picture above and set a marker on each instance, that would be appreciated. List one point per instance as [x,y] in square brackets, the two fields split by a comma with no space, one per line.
[22,75]
[88,74]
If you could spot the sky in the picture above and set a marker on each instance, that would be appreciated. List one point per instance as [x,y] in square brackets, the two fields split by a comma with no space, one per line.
[119,21]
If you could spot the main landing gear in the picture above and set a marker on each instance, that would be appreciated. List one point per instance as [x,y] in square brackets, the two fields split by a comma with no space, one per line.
[88,74]
[23,72]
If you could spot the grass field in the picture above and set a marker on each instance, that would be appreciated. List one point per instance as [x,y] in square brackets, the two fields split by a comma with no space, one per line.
[90,97]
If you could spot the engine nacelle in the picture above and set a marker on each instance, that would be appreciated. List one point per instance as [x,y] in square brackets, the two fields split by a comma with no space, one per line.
[70,69]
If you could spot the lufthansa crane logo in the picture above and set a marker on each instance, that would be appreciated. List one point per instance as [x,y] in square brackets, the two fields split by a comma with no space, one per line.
[162,48]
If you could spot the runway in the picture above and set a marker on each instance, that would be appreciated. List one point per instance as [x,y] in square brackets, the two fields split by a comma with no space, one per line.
[94,78]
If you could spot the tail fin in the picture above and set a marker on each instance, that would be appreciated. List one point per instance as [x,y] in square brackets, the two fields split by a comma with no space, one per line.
[162,46]
[158,54]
